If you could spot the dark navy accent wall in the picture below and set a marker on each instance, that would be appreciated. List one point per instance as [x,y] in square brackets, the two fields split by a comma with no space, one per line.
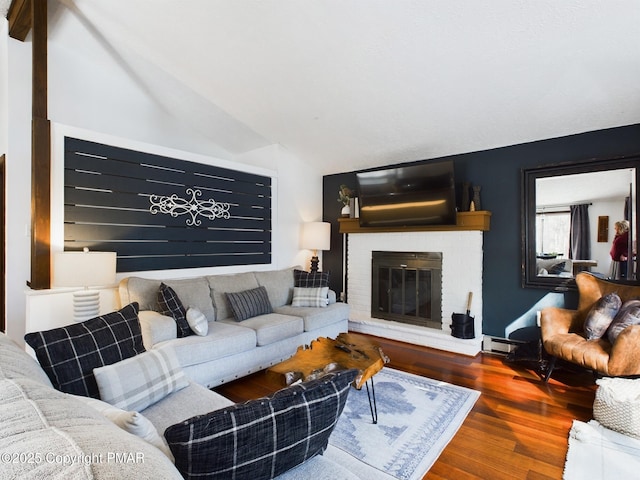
[498,171]
[162,213]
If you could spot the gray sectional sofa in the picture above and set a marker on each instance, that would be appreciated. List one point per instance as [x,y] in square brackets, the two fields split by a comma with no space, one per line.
[45,433]
[130,412]
[233,349]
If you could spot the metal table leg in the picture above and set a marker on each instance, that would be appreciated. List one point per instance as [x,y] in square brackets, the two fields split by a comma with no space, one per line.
[372,406]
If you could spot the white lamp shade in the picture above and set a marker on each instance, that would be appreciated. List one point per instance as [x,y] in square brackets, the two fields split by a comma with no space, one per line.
[316,236]
[84,269]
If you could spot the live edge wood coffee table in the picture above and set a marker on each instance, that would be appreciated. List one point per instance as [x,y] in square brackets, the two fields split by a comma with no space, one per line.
[325,355]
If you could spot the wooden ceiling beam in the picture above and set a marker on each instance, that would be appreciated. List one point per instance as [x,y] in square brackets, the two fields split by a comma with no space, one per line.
[19,17]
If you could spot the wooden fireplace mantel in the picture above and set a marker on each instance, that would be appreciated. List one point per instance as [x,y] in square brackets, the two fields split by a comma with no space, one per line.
[478,220]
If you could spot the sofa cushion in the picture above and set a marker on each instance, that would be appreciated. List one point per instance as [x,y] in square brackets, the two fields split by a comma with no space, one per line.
[310,279]
[69,354]
[222,339]
[181,405]
[629,314]
[315,318]
[262,438]
[132,422]
[322,467]
[279,285]
[197,321]
[36,419]
[156,328]
[249,303]
[601,315]
[273,327]
[170,305]
[193,292]
[310,297]
[15,362]
[140,381]
[222,284]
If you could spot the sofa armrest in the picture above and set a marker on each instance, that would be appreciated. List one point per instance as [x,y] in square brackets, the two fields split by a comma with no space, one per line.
[332,297]
[156,328]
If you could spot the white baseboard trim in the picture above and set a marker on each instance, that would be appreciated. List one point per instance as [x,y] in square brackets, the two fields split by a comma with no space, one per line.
[416,335]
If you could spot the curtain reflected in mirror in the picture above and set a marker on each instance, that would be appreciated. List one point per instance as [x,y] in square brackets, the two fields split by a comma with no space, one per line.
[563,212]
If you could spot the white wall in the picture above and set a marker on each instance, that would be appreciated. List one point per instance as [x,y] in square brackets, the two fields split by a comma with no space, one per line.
[98,93]
[299,199]
[18,184]
[4,78]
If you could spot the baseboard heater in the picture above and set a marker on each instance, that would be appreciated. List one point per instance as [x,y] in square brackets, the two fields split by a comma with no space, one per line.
[499,345]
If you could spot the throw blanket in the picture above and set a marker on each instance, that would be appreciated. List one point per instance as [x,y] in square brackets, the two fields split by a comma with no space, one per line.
[597,452]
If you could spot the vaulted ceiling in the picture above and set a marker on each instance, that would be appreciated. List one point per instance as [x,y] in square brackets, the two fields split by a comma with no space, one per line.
[350,84]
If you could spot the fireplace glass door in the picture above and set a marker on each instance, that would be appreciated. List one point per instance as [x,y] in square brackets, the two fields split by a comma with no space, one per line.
[407,287]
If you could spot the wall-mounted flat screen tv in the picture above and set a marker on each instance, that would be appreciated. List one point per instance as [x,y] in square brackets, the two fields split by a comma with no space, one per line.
[422,194]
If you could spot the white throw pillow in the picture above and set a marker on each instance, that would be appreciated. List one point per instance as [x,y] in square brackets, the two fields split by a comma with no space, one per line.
[131,422]
[310,297]
[197,321]
[140,381]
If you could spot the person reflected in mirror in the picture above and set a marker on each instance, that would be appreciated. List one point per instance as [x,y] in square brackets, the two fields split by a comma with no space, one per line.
[619,250]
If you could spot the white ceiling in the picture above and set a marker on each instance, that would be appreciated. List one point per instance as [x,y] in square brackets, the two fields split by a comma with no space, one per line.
[350,84]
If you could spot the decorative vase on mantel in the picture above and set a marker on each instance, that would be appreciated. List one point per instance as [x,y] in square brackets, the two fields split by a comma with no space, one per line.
[476,197]
[344,197]
[346,211]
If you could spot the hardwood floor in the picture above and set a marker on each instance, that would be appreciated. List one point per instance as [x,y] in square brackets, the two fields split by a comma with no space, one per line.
[517,429]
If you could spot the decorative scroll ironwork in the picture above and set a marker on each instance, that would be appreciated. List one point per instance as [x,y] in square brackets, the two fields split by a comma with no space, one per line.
[175,206]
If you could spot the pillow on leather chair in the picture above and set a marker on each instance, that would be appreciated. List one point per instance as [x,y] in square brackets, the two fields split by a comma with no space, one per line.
[601,315]
[628,315]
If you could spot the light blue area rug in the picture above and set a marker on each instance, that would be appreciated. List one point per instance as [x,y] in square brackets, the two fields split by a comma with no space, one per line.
[417,417]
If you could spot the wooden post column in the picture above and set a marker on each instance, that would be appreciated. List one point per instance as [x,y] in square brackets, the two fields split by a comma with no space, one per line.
[40,154]
[25,16]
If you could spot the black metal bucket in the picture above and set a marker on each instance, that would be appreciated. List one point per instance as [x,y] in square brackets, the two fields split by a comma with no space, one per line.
[462,323]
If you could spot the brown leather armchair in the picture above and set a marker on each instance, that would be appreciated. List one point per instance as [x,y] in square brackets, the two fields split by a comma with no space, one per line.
[563,332]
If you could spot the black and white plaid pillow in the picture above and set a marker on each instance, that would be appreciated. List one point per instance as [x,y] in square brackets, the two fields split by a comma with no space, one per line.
[310,279]
[170,305]
[249,303]
[140,381]
[261,438]
[310,297]
[69,354]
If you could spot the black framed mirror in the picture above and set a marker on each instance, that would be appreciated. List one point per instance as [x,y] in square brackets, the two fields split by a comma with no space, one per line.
[553,199]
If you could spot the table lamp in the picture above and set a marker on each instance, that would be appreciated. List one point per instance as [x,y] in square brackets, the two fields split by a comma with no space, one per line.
[316,236]
[84,269]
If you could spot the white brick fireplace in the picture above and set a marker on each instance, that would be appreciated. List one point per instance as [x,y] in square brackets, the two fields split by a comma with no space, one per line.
[461,274]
